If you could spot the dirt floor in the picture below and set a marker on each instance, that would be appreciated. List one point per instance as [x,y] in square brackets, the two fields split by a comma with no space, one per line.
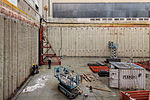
[43,86]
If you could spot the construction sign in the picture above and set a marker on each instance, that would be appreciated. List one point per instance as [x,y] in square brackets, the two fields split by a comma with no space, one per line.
[14,2]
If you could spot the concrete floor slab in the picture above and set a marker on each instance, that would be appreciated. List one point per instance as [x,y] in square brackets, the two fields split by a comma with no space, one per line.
[47,83]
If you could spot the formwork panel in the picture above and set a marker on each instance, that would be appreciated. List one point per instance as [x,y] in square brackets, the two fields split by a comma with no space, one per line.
[85,43]
[18,51]
[137,37]
[10,89]
[140,42]
[1,55]
[58,39]
[32,44]
[103,33]
[127,39]
[101,42]
[7,58]
[19,76]
[64,42]
[76,32]
[120,40]
[26,50]
[134,42]
[78,41]
[36,45]
[29,49]
[22,53]
[95,40]
[68,41]
[55,35]
[146,42]
[108,38]
[72,43]
[27,64]
[14,45]
[131,37]
[92,39]
[84,49]
[10,58]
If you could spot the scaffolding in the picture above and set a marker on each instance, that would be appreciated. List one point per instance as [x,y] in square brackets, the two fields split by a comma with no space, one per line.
[46,50]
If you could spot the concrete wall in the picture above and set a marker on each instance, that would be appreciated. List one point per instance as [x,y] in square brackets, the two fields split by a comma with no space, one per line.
[93,41]
[18,51]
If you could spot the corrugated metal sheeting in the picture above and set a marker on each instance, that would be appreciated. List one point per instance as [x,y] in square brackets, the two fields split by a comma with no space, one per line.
[18,50]
[93,41]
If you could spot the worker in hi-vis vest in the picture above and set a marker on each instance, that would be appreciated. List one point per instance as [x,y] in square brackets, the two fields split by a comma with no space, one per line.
[49,64]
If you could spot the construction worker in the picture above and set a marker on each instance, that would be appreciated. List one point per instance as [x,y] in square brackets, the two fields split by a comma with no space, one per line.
[91,89]
[49,64]
[37,69]
[33,69]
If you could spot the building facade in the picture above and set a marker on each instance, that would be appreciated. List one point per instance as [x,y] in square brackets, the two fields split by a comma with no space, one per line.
[77,9]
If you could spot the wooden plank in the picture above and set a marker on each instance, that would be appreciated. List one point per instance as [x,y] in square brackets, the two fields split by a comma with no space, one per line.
[86,77]
[99,89]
